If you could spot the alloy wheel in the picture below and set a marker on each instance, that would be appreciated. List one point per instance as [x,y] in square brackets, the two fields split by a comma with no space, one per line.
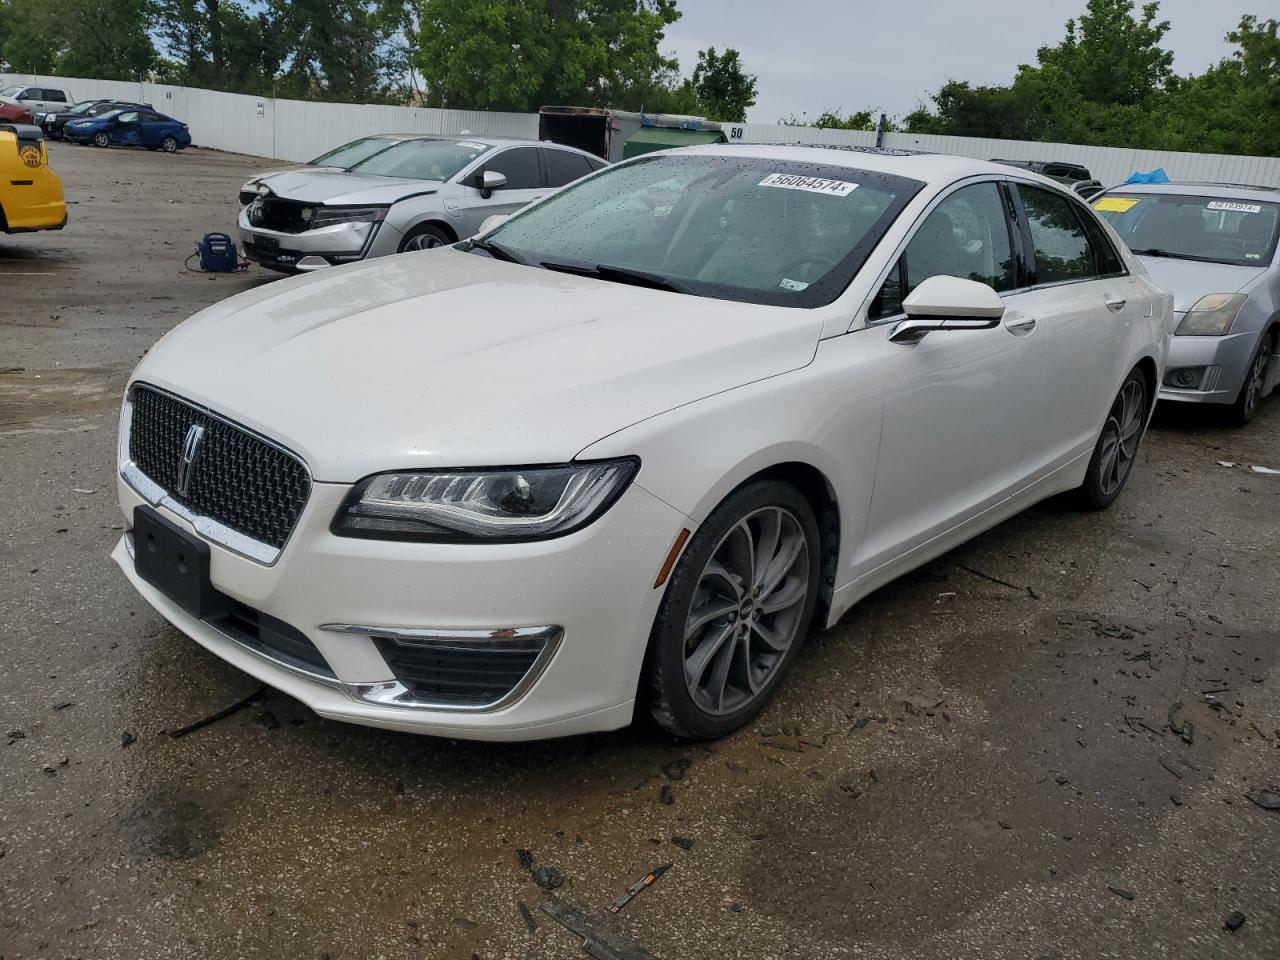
[100,139]
[1120,436]
[423,241]
[1257,378]
[747,610]
[169,144]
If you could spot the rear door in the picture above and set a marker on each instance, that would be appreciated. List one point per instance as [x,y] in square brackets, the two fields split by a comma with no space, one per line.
[957,403]
[522,166]
[564,167]
[1086,303]
[154,127]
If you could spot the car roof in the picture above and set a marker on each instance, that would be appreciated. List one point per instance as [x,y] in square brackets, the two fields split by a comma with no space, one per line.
[928,167]
[1198,188]
[488,141]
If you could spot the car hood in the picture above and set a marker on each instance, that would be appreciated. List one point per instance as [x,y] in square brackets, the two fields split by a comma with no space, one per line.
[1189,280]
[449,359]
[327,185]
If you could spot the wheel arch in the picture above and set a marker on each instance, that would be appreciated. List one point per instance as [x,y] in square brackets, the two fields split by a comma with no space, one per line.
[816,487]
[438,223]
[1151,372]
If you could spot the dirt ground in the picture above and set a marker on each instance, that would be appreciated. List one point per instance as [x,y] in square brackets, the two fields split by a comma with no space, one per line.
[978,762]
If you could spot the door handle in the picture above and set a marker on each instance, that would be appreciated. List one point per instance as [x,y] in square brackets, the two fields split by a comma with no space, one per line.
[1114,304]
[1020,324]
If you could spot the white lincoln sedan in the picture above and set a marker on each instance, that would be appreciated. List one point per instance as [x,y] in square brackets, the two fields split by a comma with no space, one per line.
[625,450]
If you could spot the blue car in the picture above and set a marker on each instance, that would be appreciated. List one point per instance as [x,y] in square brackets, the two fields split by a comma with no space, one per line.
[130,128]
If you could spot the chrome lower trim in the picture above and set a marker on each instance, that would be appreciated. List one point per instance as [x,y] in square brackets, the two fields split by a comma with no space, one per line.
[393,693]
[158,496]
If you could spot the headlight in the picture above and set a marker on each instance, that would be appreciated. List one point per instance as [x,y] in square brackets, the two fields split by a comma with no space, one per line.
[447,506]
[328,216]
[1212,315]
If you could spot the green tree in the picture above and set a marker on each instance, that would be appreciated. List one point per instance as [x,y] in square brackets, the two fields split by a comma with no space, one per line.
[520,54]
[723,89]
[107,39]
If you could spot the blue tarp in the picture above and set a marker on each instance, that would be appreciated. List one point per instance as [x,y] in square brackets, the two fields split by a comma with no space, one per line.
[1155,176]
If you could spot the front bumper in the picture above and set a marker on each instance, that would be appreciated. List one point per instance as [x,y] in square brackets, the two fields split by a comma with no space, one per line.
[311,249]
[596,584]
[1225,361]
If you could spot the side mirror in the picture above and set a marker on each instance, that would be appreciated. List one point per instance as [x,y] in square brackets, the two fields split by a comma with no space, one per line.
[490,181]
[947,303]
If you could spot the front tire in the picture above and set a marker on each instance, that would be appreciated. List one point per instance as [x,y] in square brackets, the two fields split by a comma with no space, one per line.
[101,139]
[735,614]
[424,237]
[1255,379]
[1117,446]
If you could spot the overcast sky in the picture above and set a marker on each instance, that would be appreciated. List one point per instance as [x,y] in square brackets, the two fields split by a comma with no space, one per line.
[815,55]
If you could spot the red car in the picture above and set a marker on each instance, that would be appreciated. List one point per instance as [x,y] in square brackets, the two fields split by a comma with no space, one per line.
[12,113]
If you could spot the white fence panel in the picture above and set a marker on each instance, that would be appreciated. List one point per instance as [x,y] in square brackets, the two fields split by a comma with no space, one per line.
[299,130]
[1111,165]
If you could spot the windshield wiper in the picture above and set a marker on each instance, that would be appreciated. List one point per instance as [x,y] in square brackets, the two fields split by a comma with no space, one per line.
[1158,252]
[495,250]
[637,278]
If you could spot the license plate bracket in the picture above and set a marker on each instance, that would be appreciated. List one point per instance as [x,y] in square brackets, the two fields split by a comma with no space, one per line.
[175,563]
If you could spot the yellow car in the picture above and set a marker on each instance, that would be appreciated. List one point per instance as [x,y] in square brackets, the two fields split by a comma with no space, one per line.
[30,193]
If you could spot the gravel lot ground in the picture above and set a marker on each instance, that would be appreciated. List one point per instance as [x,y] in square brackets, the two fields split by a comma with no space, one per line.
[978,762]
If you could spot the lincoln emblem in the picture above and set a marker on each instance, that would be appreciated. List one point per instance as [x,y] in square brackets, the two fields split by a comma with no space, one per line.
[190,448]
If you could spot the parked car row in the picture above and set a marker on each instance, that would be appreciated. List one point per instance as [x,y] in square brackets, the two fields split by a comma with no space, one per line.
[103,123]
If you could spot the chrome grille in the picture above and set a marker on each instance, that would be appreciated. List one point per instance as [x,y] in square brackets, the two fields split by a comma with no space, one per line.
[235,478]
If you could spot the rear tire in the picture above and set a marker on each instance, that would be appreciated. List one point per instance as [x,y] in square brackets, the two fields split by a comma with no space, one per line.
[735,613]
[1117,447]
[1255,378]
[169,145]
[424,237]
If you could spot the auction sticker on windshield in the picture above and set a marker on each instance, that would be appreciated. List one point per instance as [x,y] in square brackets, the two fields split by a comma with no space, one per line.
[789,181]
[1234,207]
[1115,204]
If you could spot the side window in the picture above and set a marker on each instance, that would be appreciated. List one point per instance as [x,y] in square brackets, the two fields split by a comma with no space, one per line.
[564,167]
[520,167]
[31,93]
[1105,258]
[595,164]
[966,235]
[153,117]
[1062,250]
[55,96]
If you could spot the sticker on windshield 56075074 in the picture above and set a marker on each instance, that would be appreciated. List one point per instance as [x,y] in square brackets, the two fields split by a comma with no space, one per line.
[1234,207]
[788,181]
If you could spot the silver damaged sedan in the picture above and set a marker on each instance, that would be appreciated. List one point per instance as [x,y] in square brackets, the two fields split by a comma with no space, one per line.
[1214,246]
[416,194]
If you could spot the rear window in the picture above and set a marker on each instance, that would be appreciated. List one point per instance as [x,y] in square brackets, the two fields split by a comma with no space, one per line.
[1194,227]
[564,167]
[55,96]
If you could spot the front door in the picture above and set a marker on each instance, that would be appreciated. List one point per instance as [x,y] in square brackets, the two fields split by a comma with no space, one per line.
[522,166]
[956,416]
[127,129]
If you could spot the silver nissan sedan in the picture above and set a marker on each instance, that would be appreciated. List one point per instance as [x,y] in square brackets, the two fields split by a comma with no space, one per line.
[418,193]
[1214,246]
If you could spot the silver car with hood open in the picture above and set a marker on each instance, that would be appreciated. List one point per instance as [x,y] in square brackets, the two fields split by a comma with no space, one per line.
[415,194]
[1213,245]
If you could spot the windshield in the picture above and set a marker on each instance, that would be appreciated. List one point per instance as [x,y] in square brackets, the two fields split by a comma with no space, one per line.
[1241,232]
[83,107]
[349,154]
[422,159]
[12,91]
[736,228]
